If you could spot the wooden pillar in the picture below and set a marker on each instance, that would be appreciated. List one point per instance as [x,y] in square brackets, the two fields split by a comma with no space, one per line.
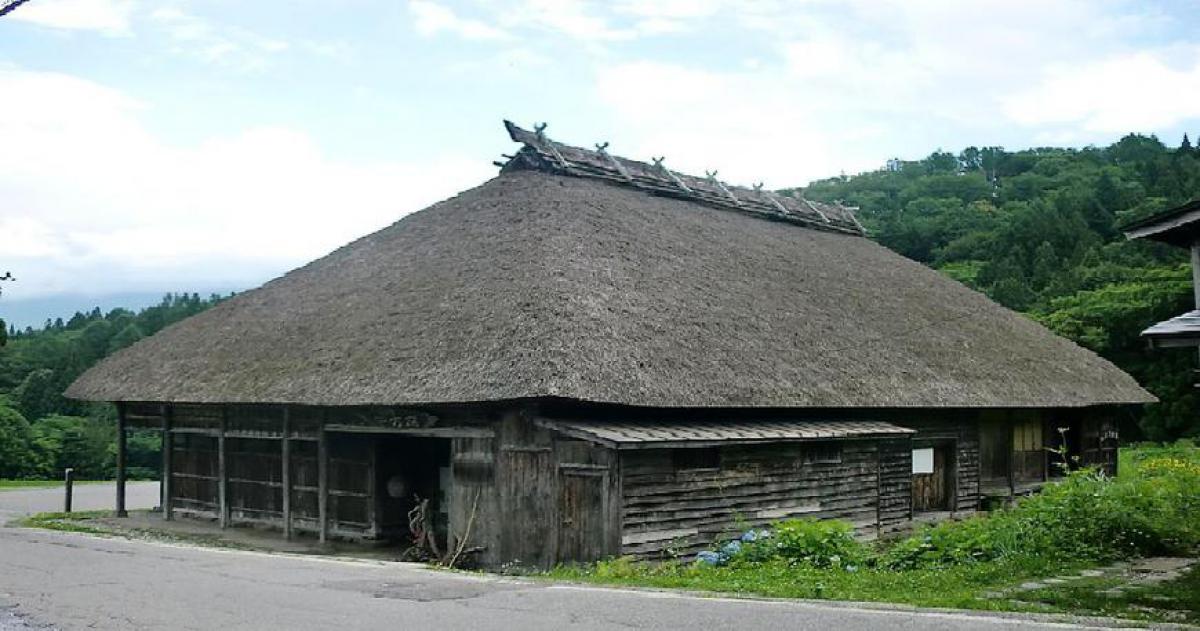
[323,483]
[168,413]
[1196,272]
[121,461]
[372,495]
[285,463]
[222,476]
[1012,446]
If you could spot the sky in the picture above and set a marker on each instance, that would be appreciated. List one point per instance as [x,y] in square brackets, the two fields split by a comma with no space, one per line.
[148,147]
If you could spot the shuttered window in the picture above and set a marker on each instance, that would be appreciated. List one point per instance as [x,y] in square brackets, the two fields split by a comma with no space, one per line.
[1027,435]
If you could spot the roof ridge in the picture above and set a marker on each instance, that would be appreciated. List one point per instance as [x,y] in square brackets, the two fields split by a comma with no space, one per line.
[543,154]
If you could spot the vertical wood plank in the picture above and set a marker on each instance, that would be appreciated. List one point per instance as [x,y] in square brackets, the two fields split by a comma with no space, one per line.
[1012,451]
[222,476]
[1196,272]
[372,495]
[121,461]
[323,483]
[878,489]
[285,460]
[168,414]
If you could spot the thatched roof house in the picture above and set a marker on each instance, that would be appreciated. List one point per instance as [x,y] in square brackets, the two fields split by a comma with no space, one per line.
[580,288]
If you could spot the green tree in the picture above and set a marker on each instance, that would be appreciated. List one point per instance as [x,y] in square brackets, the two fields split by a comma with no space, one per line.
[17,459]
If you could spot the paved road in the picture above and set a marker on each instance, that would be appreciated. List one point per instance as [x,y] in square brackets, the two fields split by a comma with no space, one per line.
[18,503]
[71,581]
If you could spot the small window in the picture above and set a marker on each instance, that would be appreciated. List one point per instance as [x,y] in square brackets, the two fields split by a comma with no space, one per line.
[922,460]
[1027,435]
[823,453]
[694,459]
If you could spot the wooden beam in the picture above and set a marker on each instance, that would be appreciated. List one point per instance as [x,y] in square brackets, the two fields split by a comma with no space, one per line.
[285,459]
[323,484]
[168,414]
[121,461]
[222,474]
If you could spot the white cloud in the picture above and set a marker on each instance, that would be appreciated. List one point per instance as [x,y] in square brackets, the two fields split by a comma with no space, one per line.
[98,201]
[432,18]
[109,17]
[1138,91]
[227,46]
[748,126]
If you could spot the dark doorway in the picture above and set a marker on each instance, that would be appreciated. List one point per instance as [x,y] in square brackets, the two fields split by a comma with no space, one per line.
[410,470]
[932,484]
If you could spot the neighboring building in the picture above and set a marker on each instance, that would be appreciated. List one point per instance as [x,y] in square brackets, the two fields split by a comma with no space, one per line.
[1179,227]
[590,356]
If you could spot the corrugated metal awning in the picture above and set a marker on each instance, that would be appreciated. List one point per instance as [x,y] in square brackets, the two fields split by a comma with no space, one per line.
[1181,330]
[659,434]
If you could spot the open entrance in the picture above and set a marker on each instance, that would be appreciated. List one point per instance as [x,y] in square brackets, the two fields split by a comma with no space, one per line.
[932,482]
[413,483]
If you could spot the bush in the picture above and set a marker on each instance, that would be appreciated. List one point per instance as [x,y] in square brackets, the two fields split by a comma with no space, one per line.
[1153,508]
[1087,516]
[822,544]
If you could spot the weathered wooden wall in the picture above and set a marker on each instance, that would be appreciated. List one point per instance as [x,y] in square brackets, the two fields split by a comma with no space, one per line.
[538,498]
[521,493]
[963,432]
[665,508]
[895,485]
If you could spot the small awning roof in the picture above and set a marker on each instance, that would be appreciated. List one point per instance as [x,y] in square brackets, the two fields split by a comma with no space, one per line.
[659,434]
[1181,330]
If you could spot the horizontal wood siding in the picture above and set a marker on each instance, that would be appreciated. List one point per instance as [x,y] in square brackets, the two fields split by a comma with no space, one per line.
[666,510]
[895,485]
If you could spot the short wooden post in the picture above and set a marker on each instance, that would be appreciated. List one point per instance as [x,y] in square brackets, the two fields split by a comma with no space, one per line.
[285,463]
[323,484]
[222,478]
[167,447]
[121,456]
[68,488]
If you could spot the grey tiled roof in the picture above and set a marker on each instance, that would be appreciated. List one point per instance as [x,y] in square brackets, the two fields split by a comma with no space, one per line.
[633,434]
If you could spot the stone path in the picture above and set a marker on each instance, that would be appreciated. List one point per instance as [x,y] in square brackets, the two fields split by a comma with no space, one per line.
[1134,574]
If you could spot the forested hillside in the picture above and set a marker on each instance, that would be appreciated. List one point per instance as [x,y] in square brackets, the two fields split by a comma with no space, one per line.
[1039,231]
[41,432]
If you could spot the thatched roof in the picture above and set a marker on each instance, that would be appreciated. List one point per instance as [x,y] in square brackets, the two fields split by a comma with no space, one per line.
[539,284]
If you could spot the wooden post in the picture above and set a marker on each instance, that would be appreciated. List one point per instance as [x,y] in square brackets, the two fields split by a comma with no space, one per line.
[167,447]
[1196,272]
[285,463]
[323,483]
[121,455]
[372,494]
[68,488]
[222,477]
[1012,447]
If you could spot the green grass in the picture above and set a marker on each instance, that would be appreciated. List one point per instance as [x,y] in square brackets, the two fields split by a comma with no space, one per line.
[67,522]
[17,485]
[1170,601]
[959,587]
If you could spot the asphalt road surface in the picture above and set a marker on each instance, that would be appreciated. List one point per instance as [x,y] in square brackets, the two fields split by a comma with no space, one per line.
[58,580]
[18,503]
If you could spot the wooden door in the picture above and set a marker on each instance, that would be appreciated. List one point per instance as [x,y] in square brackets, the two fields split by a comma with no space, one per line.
[931,491]
[581,514]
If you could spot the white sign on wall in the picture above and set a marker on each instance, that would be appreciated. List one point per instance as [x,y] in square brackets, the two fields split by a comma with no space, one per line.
[923,460]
